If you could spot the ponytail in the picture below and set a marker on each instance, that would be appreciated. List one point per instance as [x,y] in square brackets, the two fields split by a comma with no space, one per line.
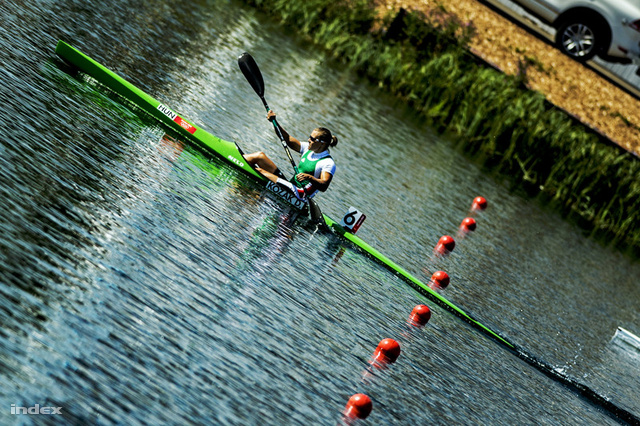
[326,136]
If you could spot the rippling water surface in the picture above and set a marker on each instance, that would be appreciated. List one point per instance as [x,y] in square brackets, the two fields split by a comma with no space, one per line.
[143,283]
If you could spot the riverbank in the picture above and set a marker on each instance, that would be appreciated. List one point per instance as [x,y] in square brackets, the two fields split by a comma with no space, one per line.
[578,90]
[426,57]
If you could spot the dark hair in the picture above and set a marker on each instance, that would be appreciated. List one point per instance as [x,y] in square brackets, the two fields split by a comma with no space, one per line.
[326,136]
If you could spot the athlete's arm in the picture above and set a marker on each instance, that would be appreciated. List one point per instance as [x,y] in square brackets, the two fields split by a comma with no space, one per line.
[292,142]
[320,184]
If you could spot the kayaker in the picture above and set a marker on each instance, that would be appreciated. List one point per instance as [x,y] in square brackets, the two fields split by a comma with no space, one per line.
[316,166]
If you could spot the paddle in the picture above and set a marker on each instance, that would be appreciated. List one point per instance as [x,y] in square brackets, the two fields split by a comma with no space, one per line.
[252,73]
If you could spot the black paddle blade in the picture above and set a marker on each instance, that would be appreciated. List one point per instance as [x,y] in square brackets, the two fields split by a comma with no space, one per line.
[252,73]
[317,217]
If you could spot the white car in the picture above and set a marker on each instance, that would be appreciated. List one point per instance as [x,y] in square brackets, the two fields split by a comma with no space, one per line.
[585,28]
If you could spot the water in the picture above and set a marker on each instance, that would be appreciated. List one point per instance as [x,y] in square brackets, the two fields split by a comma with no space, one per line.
[144,283]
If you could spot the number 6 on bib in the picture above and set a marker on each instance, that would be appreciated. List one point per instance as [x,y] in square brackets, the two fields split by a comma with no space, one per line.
[352,220]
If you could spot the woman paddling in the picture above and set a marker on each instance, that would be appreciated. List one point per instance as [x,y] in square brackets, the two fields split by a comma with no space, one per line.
[316,166]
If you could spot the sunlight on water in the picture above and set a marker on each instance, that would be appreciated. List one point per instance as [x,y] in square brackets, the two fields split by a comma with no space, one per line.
[143,283]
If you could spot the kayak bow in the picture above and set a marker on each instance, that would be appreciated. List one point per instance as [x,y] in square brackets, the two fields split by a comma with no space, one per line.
[228,151]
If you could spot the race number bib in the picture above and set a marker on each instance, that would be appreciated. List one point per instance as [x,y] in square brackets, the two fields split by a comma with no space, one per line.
[352,220]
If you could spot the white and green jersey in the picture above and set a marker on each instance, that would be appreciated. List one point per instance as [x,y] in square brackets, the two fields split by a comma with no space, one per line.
[310,163]
[313,163]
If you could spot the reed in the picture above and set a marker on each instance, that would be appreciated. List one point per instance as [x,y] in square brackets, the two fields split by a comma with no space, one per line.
[424,60]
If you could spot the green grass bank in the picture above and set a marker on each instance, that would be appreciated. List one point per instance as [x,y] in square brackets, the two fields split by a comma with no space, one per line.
[494,117]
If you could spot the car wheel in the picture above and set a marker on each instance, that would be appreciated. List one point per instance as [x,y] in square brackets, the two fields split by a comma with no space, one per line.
[579,39]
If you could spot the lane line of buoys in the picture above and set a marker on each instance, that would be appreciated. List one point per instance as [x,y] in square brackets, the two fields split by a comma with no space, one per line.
[359,405]
[469,224]
[385,354]
[440,279]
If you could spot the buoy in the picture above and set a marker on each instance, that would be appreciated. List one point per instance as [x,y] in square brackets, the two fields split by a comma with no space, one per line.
[359,406]
[468,224]
[439,280]
[387,352]
[479,203]
[445,245]
[420,315]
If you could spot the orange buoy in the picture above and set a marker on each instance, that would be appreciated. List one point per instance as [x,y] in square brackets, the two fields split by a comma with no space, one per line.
[359,406]
[468,224]
[445,245]
[440,280]
[387,352]
[479,203]
[420,315]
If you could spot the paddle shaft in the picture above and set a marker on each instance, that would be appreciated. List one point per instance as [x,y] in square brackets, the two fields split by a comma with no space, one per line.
[279,133]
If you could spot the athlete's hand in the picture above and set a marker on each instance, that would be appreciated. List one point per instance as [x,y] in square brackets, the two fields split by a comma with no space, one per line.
[271,115]
[303,177]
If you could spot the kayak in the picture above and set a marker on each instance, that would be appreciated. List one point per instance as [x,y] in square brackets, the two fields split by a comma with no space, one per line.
[231,153]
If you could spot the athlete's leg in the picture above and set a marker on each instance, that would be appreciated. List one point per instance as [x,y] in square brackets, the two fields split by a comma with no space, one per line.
[273,178]
[264,165]
[261,160]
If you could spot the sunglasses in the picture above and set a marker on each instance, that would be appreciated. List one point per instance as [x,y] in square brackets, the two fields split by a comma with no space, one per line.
[312,139]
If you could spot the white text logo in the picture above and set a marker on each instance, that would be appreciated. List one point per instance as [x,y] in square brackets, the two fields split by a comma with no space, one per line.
[36,409]
[166,111]
[235,160]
